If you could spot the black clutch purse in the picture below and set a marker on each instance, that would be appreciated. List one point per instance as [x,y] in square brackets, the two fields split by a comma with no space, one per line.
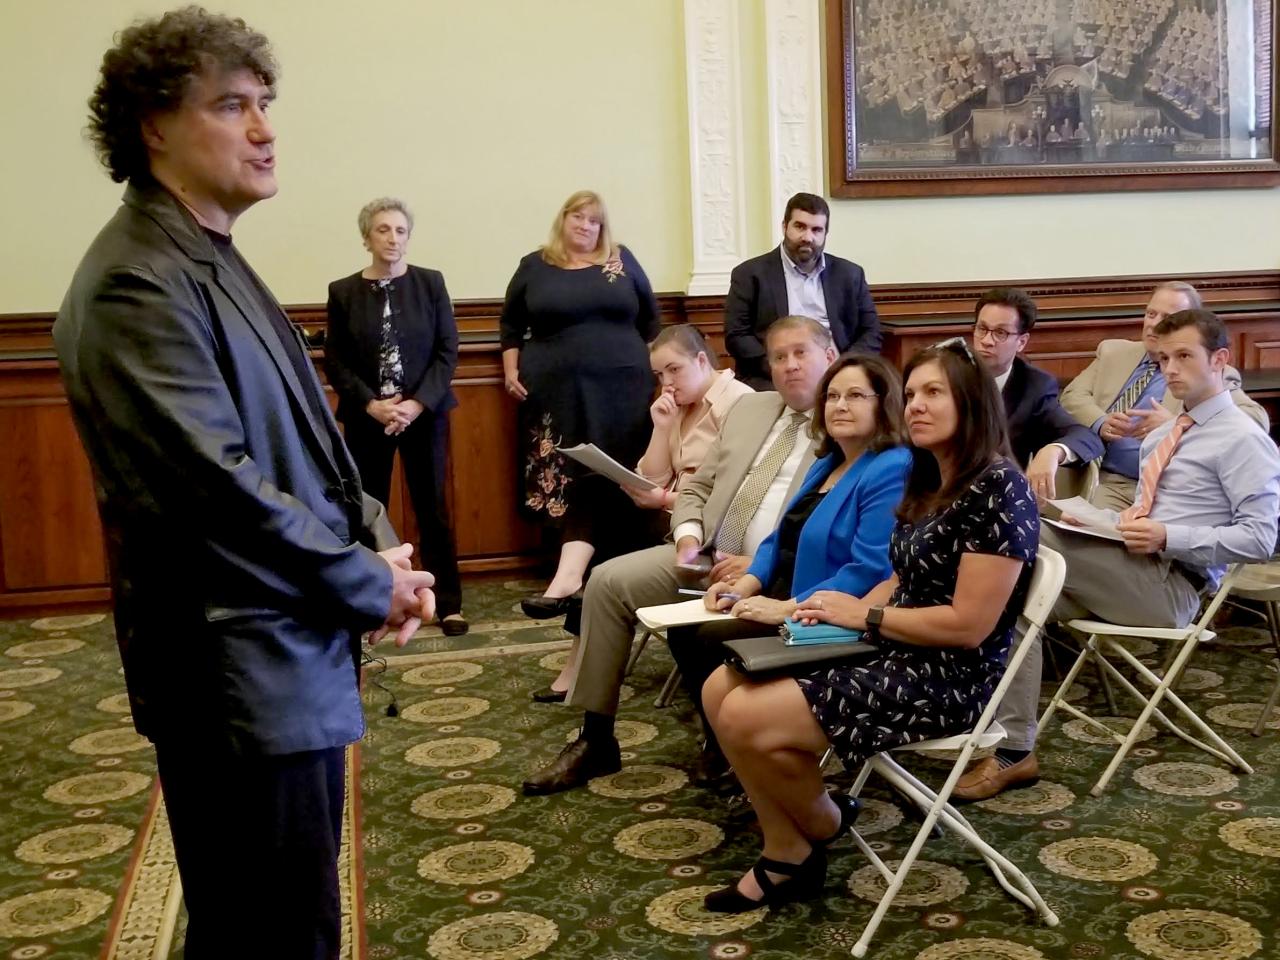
[771,654]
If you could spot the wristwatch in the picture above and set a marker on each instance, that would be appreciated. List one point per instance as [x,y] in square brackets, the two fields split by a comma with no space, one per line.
[874,617]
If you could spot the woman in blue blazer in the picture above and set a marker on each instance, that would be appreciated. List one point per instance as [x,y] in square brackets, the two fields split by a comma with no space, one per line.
[834,535]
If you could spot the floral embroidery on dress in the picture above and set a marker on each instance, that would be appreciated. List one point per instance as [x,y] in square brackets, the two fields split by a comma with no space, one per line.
[545,479]
[613,268]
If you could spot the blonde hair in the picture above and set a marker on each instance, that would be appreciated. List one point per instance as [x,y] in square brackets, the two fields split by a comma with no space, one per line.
[554,251]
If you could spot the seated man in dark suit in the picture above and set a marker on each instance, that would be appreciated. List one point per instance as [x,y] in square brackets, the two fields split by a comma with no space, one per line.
[797,279]
[1041,433]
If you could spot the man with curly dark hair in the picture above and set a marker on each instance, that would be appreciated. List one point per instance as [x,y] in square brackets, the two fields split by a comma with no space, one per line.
[246,560]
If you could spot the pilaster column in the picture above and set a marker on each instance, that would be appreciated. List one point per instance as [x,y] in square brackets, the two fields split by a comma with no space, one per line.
[793,61]
[716,182]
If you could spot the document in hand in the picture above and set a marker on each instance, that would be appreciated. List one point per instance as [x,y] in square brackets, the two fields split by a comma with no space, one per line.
[597,461]
[1093,522]
[682,614]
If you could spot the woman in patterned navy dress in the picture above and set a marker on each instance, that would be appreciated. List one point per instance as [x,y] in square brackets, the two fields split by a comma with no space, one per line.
[962,554]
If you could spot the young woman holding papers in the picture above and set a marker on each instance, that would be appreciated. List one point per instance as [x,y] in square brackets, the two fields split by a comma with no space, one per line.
[962,553]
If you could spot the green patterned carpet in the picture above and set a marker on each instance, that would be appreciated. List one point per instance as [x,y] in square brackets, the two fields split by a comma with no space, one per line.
[1178,860]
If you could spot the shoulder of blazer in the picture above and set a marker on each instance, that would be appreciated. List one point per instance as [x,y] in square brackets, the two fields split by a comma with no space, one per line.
[344,287]
[758,267]
[1034,381]
[757,403]
[840,267]
[1130,351]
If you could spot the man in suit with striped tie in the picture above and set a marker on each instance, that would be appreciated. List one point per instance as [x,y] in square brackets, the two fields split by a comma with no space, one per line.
[1122,396]
[1208,496]
[732,503]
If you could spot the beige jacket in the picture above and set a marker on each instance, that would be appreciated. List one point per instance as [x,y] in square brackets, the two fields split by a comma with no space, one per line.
[706,495]
[1093,390]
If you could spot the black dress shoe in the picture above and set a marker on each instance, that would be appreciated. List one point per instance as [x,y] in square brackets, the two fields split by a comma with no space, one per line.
[547,695]
[544,608]
[710,768]
[454,625]
[804,881]
[577,763]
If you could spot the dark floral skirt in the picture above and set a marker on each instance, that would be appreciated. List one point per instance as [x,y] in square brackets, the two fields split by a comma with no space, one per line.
[546,476]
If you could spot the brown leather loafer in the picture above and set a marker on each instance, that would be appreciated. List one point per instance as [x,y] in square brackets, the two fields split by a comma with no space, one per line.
[985,779]
[577,763]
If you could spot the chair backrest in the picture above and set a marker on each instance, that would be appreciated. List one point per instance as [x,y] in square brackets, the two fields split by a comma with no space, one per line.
[1047,577]
[1072,480]
[1046,583]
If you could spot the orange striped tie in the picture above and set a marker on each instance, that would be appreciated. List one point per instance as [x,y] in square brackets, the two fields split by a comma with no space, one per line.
[1154,466]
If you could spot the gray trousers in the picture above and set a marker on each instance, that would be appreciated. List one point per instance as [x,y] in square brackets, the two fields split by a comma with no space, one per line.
[1104,582]
[1115,491]
[615,591]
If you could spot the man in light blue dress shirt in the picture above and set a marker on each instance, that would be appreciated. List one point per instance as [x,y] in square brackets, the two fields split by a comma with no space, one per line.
[1215,503]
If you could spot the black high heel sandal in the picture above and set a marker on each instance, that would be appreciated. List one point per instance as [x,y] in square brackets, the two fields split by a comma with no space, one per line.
[849,808]
[804,881]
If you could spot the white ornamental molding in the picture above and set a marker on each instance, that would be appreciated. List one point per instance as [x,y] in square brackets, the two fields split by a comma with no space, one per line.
[717,182]
[793,71]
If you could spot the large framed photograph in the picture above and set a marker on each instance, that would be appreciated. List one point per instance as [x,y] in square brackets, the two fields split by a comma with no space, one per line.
[946,97]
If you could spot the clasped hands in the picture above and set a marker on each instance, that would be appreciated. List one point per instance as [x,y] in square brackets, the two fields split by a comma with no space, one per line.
[395,414]
[411,598]
[1135,423]
[727,567]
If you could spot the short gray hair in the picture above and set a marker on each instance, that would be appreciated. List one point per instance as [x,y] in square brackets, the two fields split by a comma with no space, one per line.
[1187,290]
[381,205]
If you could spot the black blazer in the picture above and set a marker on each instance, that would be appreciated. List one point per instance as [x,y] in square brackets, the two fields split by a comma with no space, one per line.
[425,329]
[758,296]
[1037,419]
[241,544]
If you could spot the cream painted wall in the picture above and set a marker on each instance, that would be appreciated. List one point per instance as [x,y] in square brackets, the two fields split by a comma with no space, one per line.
[484,115]
[1011,238]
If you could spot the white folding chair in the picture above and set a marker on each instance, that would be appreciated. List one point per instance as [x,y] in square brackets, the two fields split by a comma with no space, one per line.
[1104,639]
[1261,582]
[668,691]
[1046,584]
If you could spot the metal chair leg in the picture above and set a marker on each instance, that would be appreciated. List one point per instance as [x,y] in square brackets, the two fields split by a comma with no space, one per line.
[668,692]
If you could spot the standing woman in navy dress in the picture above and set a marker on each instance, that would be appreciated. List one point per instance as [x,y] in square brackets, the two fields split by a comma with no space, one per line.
[577,317]
[390,352]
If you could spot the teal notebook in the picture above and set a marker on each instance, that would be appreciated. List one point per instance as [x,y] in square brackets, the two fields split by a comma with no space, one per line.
[796,634]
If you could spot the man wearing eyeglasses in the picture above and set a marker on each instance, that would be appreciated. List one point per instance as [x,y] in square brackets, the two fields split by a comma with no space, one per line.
[1122,396]
[1041,433]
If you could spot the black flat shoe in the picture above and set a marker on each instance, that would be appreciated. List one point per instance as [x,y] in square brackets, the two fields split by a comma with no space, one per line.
[547,695]
[577,763]
[544,608]
[849,807]
[711,768]
[454,625]
[804,881]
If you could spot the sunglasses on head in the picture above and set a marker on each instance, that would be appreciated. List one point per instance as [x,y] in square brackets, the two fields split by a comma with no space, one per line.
[957,345]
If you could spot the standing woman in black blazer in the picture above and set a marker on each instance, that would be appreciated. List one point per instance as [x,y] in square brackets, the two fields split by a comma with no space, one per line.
[390,353]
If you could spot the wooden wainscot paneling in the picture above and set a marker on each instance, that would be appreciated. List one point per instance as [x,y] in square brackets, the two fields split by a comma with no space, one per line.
[51,549]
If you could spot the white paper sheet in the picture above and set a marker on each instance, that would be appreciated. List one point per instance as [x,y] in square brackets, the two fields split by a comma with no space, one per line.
[1096,523]
[597,461]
